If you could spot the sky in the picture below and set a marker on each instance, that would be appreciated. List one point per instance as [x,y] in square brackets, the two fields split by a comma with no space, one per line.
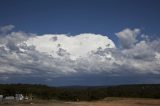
[80,42]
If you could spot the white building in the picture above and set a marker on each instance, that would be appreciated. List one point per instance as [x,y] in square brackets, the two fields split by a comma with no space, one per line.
[9,98]
[19,97]
[1,97]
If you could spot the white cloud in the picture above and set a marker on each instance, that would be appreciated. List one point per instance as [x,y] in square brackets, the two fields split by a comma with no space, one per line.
[53,55]
[6,28]
[25,54]
[76,46]
[127,37]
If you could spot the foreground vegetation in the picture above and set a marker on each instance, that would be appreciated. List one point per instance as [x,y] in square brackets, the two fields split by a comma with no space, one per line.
[75,93]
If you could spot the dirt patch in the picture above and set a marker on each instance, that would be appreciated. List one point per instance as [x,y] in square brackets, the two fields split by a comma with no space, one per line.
[106,102]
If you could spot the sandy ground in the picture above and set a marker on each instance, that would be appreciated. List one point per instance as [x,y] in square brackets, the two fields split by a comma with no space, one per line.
[109,102]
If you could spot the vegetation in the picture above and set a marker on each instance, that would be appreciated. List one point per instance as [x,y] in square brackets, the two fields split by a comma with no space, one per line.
[75,93]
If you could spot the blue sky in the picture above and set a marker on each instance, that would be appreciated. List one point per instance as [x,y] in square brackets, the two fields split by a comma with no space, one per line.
[80,16]
[132,25]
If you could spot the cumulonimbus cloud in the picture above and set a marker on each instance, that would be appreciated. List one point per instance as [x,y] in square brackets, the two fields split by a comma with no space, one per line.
[54,55]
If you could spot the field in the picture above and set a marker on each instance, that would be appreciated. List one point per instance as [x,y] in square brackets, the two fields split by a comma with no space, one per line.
[105,102]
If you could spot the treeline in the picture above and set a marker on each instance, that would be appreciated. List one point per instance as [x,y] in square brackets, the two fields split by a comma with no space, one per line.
[75,93]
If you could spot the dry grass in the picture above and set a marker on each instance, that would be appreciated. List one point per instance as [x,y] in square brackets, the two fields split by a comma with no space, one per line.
[105,102]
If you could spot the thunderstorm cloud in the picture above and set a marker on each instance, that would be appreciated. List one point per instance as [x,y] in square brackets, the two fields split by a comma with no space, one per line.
[50,56]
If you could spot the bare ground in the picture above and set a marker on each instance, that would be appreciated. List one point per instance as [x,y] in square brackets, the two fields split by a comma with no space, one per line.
[105,102]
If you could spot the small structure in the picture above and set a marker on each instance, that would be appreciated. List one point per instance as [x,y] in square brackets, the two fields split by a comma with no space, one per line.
[26,98]
[19,97]
[1,98]
[9,98]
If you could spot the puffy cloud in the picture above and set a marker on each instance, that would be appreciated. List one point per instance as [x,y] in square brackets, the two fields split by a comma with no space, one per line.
[76,46]
[127,37]
[6,28]
[24,53]
[52,56]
